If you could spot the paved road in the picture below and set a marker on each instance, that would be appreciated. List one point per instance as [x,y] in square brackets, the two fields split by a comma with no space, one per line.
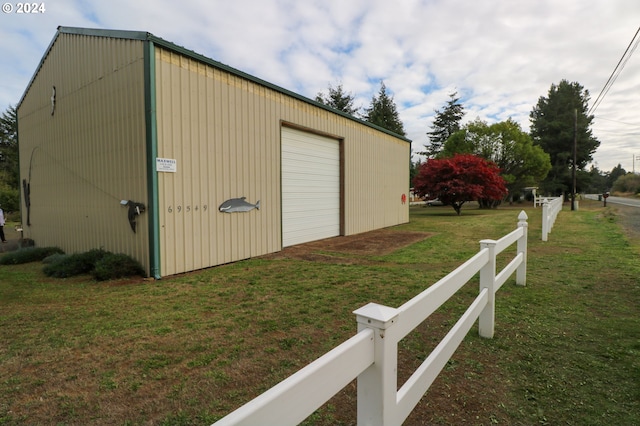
[617,200]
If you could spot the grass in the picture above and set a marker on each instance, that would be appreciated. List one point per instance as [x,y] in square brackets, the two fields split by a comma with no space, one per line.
[189,349]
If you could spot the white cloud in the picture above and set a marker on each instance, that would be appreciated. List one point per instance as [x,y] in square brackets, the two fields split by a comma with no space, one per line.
[499,56]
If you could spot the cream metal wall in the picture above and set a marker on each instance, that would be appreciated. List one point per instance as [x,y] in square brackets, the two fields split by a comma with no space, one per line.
[224,133]
[90,154]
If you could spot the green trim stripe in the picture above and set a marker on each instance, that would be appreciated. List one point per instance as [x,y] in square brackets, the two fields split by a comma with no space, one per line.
[152,152]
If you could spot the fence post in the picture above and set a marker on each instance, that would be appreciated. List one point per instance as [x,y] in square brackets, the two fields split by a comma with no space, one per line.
[378,384]
[521,272]
[486,320]
[545,219]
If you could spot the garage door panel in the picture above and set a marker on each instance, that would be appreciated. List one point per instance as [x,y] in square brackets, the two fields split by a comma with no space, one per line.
[310,187]
[321,166]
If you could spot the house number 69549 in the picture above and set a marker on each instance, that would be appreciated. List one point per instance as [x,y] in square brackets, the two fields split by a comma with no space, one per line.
[187,209]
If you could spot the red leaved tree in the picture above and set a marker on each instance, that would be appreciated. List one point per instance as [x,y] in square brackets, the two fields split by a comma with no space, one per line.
[459,179]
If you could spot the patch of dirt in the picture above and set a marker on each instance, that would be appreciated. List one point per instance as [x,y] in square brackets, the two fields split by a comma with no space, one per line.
[378,242]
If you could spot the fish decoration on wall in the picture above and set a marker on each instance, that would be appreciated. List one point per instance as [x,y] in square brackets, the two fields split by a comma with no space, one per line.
[234,205]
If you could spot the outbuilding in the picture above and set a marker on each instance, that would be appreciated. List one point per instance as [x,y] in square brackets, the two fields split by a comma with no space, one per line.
[135,145]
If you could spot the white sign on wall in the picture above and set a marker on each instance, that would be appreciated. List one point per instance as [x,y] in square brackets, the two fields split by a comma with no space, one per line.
[166,165]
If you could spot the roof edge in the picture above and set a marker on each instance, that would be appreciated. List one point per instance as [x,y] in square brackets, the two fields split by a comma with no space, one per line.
[129,35]
[148,37]
[204,59]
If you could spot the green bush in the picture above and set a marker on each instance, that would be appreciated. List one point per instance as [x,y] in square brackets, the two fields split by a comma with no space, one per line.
[114,266]
[629,183]
[13,216]
[9,199]
[75,264]
[101,264]
[29,254]
[56,257]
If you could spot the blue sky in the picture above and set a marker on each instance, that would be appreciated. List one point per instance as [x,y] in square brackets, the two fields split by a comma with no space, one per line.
[499,55]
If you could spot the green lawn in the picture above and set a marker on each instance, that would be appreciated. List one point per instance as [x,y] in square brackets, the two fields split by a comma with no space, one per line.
[189,349]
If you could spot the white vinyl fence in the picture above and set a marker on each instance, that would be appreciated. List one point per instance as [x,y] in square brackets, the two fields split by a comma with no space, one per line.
[371,355]
[550,209]
[538,199]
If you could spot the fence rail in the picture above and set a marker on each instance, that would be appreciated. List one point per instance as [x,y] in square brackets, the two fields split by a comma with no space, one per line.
[550,209]
[371,355]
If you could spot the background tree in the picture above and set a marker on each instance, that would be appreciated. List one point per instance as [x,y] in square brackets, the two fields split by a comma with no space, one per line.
[338,99]
[597,181]
[459,179]
[9,167]
[613,176]
[445,123]
[552,127]
[414,168]
[383,112]
[627,184]
[522,164]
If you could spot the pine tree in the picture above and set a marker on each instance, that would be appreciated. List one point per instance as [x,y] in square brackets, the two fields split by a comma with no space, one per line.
[338,99]
[9,148]
[383,112]
[446,122]
[552,127]
[9,167]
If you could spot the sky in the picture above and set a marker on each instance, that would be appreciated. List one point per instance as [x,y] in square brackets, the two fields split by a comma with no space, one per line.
[500,56]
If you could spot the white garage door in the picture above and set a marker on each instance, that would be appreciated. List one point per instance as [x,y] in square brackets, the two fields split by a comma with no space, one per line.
[310,187]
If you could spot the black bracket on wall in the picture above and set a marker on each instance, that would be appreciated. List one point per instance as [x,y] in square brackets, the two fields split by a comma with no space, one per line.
[135,209]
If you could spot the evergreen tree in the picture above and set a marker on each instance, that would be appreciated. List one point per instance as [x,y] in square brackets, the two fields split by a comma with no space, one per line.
[9,167]
[414,167]
[9,147]
[615,173]
[552,127]
[597,181]
[383,112]
[338,99]
[446,122]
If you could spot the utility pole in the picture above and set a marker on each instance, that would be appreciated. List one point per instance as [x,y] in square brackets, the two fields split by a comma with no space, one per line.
[575,159]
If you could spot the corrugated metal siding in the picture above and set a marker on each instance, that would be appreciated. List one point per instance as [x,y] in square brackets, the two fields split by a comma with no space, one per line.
[377,175]
[91,153]
[224,132]
[207,123]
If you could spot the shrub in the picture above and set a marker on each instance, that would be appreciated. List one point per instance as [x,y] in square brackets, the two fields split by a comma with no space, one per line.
[629,183]
[9,198]
[29,254]
[114,266]
[75,264]
[56,257]
[13,216]
[101,264]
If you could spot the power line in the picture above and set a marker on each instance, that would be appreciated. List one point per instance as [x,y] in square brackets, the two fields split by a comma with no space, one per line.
[616,72]
[616,121]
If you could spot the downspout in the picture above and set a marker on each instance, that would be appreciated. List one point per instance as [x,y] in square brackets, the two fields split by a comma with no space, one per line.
[152,151]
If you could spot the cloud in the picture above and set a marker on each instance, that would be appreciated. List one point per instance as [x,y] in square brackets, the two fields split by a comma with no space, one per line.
[499,56]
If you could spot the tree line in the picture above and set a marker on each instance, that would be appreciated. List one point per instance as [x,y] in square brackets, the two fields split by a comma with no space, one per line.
[9,166]
[543,158]
[382,110]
